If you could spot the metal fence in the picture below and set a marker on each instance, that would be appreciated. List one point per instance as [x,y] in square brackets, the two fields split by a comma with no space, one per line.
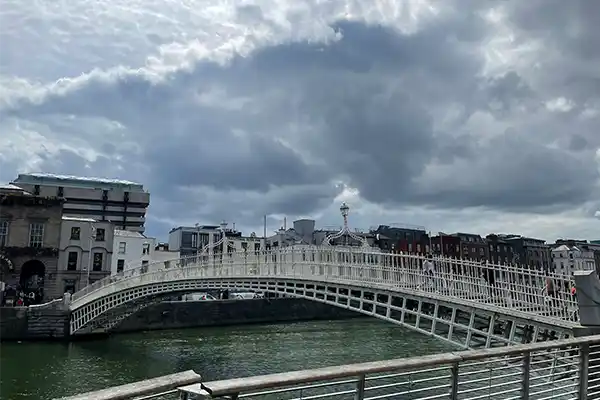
[561,369]
[506,286]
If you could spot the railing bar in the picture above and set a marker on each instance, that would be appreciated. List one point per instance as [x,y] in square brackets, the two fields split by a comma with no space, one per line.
[487,395]
[438,369]
[483,387]
[323,396]
[389,385]
[494,377]
[305,387]
[553,396]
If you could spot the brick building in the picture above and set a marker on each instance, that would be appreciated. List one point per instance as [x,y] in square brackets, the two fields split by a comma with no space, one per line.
[446,245]
[29,241]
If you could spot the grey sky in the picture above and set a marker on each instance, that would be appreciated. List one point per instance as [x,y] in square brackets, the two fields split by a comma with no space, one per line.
[456,115]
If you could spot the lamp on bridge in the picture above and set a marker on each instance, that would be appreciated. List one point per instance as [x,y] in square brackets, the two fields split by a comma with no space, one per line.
[224,240]
[345,231]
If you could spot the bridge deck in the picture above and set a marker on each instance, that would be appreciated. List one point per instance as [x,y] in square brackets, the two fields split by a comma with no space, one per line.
[524,294]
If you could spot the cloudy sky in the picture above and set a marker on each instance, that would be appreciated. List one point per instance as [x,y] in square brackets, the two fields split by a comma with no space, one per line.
[456,115]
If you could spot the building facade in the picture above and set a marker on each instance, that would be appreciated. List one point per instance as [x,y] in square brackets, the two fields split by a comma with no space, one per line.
[500,250]
[191,240]
[446,245]
[472,246]
[530,252]
[413,240]
[131,250]
[29,243]
[567,259]
[85,252]
[123,203]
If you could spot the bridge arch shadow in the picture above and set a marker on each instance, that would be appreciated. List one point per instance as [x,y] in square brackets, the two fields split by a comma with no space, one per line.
[462,324]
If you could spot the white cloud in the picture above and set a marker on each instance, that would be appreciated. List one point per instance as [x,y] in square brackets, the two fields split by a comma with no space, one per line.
[466,115]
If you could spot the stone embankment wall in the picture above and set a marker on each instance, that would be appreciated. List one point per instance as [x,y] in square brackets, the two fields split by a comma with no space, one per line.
[190,314]
[51,322]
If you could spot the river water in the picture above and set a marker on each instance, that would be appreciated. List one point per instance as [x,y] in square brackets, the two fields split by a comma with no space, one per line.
[42,371]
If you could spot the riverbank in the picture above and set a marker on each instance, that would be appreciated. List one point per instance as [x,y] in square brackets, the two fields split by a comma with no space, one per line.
[194,314]
[28,324]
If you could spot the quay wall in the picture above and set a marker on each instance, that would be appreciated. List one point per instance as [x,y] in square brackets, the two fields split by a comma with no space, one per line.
[52,322]
[191,314]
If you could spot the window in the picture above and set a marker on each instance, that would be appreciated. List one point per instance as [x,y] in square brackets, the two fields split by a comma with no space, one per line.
[122,247]
[120,265]
[146,248]
[3,233]
[75,233]
[36,234]
[100,233]
[256,246]
[72,261]
[97,263]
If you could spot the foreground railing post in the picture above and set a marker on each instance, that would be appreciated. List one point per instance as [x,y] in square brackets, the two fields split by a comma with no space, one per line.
[584,362]
[525,372]
[360,388]
[453,395]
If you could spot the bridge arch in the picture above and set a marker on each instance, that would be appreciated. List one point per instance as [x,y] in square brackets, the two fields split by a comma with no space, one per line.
[390,292]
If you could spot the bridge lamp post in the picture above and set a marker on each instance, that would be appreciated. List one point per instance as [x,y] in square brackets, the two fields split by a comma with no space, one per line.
[345,231]
[91,243]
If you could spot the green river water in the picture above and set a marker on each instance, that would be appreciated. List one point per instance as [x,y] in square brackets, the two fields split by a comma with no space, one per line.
[41,371]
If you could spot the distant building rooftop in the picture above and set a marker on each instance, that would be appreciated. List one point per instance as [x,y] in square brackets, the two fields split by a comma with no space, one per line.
[12,189]
[66,218]
[131,234]
[71,180]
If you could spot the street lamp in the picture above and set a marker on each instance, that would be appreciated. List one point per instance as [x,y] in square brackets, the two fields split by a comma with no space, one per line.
[345,231]
[91,243]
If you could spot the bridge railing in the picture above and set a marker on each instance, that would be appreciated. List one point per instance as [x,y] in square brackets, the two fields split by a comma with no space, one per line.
[515,372]
[506,286]
[559,369]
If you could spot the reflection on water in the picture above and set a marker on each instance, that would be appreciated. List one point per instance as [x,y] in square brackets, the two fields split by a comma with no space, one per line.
[46,370]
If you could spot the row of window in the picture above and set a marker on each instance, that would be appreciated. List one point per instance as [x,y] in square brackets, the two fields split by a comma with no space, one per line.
[100,234]
[73,261]
[36,234]
[123,248]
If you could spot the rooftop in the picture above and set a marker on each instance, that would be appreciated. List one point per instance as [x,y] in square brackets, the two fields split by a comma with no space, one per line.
[36,177]
[12,189]
[66,218]
[122,233]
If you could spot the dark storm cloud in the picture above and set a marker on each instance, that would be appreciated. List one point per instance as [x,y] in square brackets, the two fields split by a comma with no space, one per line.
[366,108]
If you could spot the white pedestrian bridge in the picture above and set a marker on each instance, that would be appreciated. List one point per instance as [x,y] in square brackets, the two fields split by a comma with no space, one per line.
[459,302]
[468,303]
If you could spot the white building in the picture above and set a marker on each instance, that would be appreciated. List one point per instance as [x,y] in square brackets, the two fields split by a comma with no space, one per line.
[132,249]
[567,259]
[191,240]
[85,252]
[122,202]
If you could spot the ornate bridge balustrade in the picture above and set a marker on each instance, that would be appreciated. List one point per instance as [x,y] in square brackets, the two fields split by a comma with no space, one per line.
[374,283]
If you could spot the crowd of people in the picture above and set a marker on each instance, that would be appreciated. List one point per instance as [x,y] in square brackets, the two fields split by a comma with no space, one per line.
[17,296]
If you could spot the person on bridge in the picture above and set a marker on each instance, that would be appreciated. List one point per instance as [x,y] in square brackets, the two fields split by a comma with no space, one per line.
[428,269]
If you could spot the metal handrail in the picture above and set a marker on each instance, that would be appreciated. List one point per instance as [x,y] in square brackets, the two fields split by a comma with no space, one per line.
[148,388]
[525,355]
